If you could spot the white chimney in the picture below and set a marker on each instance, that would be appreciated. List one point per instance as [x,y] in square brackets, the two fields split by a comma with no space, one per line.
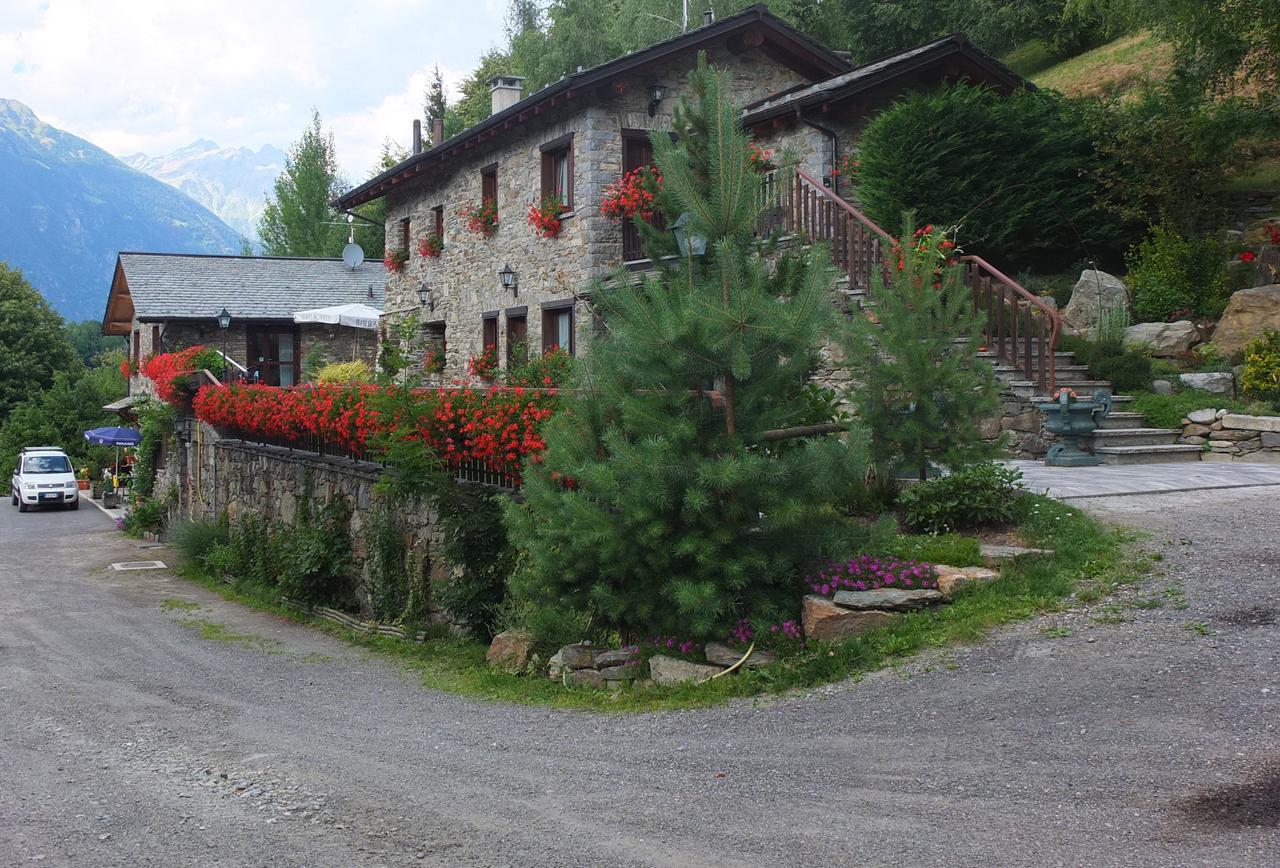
[504,92]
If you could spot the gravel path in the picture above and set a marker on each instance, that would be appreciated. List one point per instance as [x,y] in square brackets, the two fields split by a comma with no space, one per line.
[137,731]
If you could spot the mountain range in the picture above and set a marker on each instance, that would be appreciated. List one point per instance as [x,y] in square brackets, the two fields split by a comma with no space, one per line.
[231,182]
[69,207]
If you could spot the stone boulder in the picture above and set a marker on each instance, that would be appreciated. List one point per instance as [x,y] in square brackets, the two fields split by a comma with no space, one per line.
[826,621]
[952,579]
[510,650]
[889,599]
[1249,313]
[580,656]
[723,655]
[1206,416]
[1163,339]
[1095,292]
[1251,423]
[673,670]
[1218,383]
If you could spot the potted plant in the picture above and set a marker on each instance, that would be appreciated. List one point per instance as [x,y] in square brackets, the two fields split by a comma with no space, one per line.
[110,497]
[545,218]
[482,219]
[394,260]
[430,247]
[82,477]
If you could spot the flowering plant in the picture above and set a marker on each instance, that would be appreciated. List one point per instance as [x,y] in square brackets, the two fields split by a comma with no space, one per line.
[394,260]
[485,365]
[849,166]
[125,370]
[169,371]
[635,193]
[545,218]
[1248,256]
[867,573]
[759,159]
[433,361]
[430,247]
[481,219]
[1273,233]
[674,644]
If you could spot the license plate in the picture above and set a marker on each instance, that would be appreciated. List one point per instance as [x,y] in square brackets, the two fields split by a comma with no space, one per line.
[51,495]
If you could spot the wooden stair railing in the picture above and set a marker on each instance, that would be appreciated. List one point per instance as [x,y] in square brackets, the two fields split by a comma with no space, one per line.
[1020,328]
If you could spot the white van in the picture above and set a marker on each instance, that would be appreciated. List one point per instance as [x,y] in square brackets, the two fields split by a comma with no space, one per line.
[44,477]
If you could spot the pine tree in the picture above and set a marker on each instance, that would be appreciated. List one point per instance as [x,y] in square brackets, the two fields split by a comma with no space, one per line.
[298,220]
[661,506]
[918,382]
[434,103]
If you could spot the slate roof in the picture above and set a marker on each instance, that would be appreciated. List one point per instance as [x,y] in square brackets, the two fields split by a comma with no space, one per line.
[846,84]
[167,286]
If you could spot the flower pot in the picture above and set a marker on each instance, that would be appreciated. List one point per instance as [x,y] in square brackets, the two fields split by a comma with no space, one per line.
[1072,419]
[83,484]
[111,500]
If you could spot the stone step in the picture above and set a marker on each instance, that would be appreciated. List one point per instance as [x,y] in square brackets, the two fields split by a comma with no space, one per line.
[1114,421]
[1132,437]
[1028,389]
[1171,454]
[1078,372]
[995,556]
[1059,358]
[1040,401]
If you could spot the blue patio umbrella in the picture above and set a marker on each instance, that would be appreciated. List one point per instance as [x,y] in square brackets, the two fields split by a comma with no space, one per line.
[116,437]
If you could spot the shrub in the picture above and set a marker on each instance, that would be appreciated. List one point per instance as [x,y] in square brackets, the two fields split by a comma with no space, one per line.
[1126,368]
[980,495]
[194,539]
[1171,276]
[146,515]
[476,544]
[221,560]
[1168,411]
[1261,378]
[1020,200]
[342,373]
[316,554]
[867,573]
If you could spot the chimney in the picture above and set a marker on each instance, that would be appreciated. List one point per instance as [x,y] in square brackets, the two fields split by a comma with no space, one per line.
[708,17]
[504,92]
[417,136]
[437,131]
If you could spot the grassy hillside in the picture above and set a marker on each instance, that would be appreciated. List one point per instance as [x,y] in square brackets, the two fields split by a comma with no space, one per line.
[1114,69]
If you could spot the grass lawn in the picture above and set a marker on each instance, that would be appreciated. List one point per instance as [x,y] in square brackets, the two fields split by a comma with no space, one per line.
[1115,69]
[1090,561]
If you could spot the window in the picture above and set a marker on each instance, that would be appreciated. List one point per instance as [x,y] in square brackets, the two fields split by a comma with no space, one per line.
[557,170]
[437,217]
[489,185]
[491,332]
[557,326]
[137,348]
[517,336]
[404,236]
[155,339]
[273,356]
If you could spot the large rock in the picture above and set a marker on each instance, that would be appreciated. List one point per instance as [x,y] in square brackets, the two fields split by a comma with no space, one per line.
[580,656]
[1163,338]
[892,599]
[723,655]
[510,650]
[952,579]
[1216,382]
[1206,416]
[1249,313]
[1094,293]
[1251,423]
[828,622]
[673,670]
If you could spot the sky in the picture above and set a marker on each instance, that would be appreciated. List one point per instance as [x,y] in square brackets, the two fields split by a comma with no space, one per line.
[154,75]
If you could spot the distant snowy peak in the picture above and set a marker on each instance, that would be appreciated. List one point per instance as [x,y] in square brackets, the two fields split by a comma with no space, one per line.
[231,182]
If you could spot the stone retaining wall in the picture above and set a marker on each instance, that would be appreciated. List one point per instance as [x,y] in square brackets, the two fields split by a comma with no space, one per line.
[1022,426]
[1232,436]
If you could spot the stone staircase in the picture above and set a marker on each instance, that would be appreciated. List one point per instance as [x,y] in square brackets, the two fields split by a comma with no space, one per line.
[1125,437]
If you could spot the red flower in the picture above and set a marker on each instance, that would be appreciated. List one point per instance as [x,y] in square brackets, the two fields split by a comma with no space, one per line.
[1247,256]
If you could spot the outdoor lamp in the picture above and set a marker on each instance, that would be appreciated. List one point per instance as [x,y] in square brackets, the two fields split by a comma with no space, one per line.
[656,94]
[508,278]
[424,297]
[688,245]
[224,323]
[224,319]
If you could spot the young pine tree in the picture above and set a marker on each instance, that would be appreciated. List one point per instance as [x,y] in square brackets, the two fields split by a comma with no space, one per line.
[918,383]
[661,507]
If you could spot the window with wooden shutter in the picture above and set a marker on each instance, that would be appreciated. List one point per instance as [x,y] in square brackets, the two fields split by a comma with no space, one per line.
[489,185]
[557,171]
[490,334]
[437,214]
[404,235]
[557,326]
[517,337]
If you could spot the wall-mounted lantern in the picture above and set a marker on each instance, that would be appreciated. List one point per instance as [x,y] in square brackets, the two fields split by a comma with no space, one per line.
[424,297]
[509,280]
[657,93]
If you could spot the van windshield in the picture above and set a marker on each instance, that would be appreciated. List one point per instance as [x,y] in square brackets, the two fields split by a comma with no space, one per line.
[47,464]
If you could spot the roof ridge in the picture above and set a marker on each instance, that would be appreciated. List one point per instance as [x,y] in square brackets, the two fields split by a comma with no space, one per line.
[231,256]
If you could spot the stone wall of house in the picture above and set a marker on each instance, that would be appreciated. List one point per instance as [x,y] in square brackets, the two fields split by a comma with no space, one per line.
[1230,436]
[464,277]
[214,477]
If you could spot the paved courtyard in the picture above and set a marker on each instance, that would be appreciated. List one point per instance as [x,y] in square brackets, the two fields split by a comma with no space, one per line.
[1066,483]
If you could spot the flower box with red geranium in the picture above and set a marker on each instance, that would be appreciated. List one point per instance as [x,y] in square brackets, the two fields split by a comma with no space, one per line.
[485,365]
[759,159]
[394,260]
[545,218]
[430,247]
[635,193]
[481,219]
[433,361]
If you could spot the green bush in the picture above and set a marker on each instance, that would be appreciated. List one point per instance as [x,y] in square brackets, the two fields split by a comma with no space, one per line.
[1261,378]
[475,543]
[980,495]
[220,560]
[1126,368]
[1021,199]
[316,554]
[259,557]
[194,539]
[344,373]
[146,515]
[1168,411]
[1172,277]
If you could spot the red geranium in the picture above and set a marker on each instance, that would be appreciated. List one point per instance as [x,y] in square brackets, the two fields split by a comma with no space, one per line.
[430,247]
[168,370]
[394,260]
[1248,256]
[545,218]
[636,193]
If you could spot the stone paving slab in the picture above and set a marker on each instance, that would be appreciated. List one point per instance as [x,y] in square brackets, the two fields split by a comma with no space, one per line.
[1065,483]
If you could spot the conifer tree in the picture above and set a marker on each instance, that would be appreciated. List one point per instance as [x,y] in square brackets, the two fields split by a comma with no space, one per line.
[298,220]
[661,506]
[918,384]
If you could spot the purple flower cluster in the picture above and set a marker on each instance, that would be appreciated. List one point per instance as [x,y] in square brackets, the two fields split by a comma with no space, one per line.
[674,643]
[787,630]
[742,632]
[866,573]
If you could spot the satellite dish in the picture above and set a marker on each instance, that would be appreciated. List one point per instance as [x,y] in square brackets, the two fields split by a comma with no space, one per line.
[352,255]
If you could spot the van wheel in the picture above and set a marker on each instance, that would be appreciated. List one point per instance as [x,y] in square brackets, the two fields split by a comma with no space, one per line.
[22,507]
[74,504]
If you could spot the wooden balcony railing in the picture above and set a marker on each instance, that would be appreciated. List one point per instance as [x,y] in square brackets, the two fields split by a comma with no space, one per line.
[1020,328]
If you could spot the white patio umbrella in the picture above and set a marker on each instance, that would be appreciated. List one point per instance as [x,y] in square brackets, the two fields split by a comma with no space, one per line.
[356,316]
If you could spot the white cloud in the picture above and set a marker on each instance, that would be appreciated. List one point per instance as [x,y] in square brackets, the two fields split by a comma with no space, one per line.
[153,75]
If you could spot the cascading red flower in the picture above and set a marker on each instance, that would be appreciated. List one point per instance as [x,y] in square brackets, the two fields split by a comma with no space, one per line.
[636,193]
[168,371]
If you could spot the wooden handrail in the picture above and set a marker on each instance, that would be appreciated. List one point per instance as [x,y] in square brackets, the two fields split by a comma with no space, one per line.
[853,212]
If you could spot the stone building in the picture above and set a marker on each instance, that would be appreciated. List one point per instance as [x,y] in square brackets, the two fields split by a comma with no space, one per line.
[574,137]
[163,302]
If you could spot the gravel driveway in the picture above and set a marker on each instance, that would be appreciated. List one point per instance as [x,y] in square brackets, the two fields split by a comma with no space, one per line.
[137,731]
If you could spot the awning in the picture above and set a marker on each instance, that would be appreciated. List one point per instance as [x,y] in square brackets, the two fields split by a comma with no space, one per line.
[123,404]
[356,316]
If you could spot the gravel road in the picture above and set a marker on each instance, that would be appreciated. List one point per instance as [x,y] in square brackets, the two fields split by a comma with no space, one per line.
[145,721]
